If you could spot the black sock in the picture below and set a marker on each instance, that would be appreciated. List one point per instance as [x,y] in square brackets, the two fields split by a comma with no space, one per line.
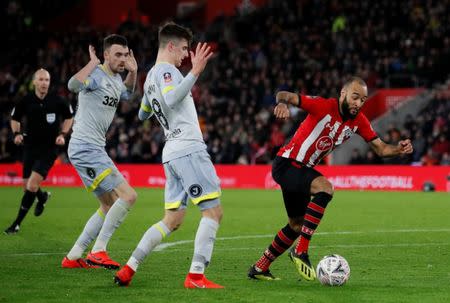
[41,195]
[282,241]
[313,216]
[27,201]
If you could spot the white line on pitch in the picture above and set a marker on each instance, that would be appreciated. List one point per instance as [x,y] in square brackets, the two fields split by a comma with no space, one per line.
[163,246]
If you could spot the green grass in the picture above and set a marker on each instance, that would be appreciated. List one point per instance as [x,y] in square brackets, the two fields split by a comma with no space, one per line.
[397,246]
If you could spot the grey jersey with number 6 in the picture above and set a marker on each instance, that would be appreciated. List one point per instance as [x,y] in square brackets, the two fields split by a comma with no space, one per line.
[177,117]
[98,99]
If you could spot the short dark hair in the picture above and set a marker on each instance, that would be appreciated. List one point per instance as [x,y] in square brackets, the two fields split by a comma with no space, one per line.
[170,31]
[356,79]
[114,39]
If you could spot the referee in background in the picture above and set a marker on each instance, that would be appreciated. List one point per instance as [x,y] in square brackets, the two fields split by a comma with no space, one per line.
[42,136]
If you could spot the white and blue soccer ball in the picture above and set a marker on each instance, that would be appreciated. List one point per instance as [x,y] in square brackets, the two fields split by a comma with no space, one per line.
[333,270]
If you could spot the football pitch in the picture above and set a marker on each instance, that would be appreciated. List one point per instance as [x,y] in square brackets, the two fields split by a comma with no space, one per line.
[397,245]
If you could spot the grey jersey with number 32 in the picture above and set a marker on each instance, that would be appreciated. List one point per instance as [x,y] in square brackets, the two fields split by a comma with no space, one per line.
[179,118]
[98,99]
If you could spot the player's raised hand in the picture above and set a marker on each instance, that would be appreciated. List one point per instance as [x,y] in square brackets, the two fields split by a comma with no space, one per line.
[281,111]
[130,63]
[92,55]
[200,58]
[405,146]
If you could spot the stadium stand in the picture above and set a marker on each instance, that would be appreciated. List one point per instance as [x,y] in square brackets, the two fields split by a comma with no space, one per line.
[304,46]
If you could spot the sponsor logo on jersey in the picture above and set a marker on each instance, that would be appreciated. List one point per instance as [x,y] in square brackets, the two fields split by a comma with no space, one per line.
[51,118]
[324,143]
[173,134]
[195,190]
[167,77]
[348,133]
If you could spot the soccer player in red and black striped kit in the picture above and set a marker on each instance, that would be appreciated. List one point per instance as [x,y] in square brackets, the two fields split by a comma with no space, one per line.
[330,122]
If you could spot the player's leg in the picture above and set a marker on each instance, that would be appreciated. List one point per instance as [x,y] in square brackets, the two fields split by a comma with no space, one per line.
[204,244]
[43,197]
[43,166]
[175,205]
[287,176]
[84,158]
[200,181]
[29,191]
[295,203]
[151,238]
[122,199]
[322,190]
[90,232]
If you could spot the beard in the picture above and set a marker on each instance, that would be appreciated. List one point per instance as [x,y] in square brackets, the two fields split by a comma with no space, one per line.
[346,109]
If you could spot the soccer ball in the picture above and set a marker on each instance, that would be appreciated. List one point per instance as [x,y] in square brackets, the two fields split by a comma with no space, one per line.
[333,270]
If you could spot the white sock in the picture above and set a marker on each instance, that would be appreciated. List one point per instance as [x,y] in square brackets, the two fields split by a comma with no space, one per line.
[113,219]
[152,237]
[89,233]
[204,244]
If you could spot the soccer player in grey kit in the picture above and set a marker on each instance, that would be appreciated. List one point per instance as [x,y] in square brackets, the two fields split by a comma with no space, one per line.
[100,88]
[187,165]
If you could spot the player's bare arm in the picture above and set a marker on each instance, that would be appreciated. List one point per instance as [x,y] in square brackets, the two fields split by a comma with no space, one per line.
[281,111]
[88,68]
[388,150]
[200,58]
[131,66]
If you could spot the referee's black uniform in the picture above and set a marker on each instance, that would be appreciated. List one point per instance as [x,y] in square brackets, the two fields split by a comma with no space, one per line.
[43,120]
[40,121]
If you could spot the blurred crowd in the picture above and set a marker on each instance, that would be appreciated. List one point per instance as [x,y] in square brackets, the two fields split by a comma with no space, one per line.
[308,46]
[429,133]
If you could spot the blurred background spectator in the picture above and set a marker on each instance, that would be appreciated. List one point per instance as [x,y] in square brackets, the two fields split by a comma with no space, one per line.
[306,46]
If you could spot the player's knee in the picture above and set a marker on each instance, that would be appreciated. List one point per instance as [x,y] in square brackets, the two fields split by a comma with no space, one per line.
[215,213]
[321,184]
[174,224]
[130,197]
[326,187]
[219,215]
[329,190]
[105,208]
[173,221]
[32,186]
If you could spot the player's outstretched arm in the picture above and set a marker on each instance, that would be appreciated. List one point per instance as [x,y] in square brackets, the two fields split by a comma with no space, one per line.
[281,111]
[76,82]
[388,150]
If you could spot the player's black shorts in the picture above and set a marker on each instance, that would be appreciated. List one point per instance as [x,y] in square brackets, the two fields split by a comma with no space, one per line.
[295,180]
[39,160]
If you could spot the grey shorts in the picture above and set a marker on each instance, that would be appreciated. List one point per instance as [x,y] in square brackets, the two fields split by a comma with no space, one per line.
[95,167]
[192,176]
